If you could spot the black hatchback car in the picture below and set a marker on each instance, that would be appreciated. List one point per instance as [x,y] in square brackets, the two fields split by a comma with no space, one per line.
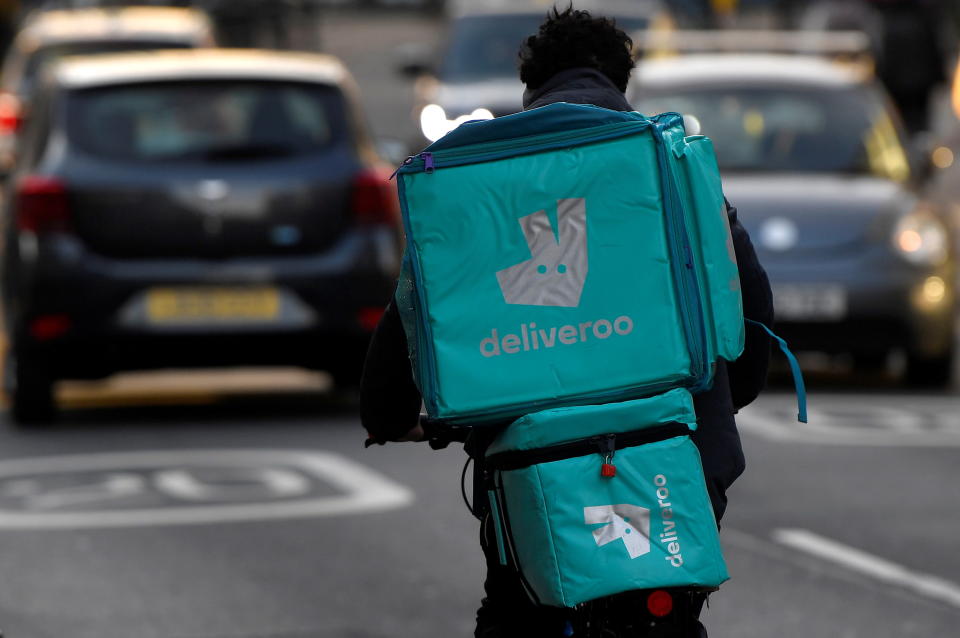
[193,208]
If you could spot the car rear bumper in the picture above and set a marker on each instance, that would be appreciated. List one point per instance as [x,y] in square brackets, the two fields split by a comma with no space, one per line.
[326,307]
[881,309]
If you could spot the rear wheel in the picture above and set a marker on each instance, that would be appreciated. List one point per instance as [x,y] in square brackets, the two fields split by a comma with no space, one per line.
[30,391]
[929,372]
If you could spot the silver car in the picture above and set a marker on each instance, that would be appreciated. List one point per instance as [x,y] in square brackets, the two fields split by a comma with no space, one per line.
[814,158]
[47,36]
[475,74]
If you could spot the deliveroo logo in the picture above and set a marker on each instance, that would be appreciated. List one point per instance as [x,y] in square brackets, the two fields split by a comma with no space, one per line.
[628,523]
[557,270]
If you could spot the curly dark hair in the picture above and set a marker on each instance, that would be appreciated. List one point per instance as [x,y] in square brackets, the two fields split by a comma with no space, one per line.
[573,38]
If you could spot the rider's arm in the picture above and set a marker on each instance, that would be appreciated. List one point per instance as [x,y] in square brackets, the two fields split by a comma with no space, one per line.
[389,399]
[748,374]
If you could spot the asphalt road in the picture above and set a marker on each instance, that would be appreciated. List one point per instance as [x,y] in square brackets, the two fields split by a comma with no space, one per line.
[262,515]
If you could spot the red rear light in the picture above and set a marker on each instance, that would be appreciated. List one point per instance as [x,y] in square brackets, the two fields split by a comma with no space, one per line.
[375,197]
[11,113]
[369,318]
[42,204]
[47,327]
[660,603]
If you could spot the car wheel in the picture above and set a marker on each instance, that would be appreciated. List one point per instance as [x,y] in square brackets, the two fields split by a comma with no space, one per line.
[929,372]
[30,392]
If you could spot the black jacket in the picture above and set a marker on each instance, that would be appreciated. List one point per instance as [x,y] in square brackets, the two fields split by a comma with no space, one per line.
[390,402]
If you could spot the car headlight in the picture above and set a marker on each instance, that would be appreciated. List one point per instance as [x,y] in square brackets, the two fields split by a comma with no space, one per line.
[435,124]
[921,238]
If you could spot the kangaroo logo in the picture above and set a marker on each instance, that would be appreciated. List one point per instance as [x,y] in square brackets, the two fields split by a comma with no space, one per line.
[629,523]
[557,270]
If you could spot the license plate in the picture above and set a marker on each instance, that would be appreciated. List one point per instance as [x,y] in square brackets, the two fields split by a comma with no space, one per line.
[196,305]
[809,302]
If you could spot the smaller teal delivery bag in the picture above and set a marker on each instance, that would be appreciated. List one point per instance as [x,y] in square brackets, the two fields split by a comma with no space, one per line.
[597,500]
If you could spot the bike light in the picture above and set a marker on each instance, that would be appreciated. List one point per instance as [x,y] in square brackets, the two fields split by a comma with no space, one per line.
[47,327]
[374,198]
[435,124]
[660,603]
[369,318]
[42,204]
[921,238]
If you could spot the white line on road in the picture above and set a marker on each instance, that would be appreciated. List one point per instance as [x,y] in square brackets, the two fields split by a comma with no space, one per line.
[877,427]
[358,489]
[873,566]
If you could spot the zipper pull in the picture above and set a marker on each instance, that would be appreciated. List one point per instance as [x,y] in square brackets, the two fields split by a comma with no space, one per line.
[608,446]
[427,162]
[407,161]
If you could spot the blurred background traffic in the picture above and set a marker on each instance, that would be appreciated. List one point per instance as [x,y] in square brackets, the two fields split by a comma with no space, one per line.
[171,201]
[205,185]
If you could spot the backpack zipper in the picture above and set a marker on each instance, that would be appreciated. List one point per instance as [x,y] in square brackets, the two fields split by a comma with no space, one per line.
[429,161]
[684,272]
[603,444]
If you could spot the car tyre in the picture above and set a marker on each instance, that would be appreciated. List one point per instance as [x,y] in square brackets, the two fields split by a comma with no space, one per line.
[30,392]
[929,372]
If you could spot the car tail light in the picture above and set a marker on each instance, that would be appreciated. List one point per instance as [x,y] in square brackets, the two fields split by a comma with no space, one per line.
[11,113]
[375,197]
[47,327]
[660,603]
[42,204]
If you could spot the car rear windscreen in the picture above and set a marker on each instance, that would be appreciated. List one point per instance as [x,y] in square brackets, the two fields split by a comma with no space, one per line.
[790,129]
[206,121]
[486,46]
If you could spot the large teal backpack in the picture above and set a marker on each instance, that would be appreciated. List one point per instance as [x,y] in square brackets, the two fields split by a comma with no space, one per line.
[565,255]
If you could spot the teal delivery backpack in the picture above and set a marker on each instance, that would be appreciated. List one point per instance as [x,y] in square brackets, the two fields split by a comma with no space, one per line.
[565,255]
[593,501]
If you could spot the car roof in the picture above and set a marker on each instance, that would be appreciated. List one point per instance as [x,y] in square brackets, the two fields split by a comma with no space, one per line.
[198,64]
[712,69]
[123,23]
[638,8]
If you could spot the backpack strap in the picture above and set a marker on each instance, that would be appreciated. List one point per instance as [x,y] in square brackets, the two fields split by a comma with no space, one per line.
[794,370]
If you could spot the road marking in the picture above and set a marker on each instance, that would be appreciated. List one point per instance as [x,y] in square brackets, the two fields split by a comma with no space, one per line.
[276,492]
[860,421]
[869,565]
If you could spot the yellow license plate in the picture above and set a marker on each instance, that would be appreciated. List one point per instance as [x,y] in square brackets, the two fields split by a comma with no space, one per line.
[181,305]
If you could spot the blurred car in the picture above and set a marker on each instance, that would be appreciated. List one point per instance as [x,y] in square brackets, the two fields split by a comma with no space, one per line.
[194,208]
[477,73]
[813,157]
[47,36]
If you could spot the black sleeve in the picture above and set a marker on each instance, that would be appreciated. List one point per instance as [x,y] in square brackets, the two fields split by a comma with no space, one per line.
[748,374]
[389,399]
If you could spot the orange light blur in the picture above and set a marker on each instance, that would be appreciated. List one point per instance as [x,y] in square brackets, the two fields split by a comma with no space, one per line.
[956,90]
[910,241]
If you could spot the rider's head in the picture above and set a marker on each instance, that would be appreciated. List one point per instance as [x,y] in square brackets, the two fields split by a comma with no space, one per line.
[573,38]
